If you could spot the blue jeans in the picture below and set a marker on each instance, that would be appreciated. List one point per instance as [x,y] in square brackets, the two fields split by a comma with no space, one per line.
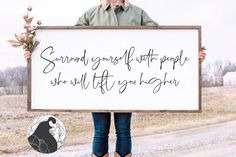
[101,132]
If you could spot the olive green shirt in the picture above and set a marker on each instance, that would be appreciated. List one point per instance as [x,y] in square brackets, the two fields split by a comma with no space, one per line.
[129,15]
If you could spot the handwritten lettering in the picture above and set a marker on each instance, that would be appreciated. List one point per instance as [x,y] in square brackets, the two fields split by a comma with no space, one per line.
[149,57]
[173,60]
[63,59]
[57,81]
[127,57]
[123,84]
[82,81]
[104,81]
[158,82]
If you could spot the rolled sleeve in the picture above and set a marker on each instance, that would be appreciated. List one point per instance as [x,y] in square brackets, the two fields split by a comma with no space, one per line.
[83,20]
[147,21]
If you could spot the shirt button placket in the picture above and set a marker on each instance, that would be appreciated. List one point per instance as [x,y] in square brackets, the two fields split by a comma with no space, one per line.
[114,15]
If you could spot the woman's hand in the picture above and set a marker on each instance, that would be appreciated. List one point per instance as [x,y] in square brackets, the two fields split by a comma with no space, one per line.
[202,54]
[27,55]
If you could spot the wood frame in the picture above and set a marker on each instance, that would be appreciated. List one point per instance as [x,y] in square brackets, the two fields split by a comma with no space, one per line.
[188,27]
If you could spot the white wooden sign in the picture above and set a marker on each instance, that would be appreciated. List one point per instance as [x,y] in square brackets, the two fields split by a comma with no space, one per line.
[116,69]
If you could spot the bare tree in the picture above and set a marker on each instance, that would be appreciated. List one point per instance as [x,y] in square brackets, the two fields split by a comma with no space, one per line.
[229,67]
[212,74]
[21,78]
[3,82]
[16,77]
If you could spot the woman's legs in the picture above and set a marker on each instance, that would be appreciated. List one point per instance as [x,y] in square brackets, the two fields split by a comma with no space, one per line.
[101,130]
[122,125]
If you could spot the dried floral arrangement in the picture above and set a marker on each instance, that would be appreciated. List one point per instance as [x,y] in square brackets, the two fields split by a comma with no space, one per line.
[27,39]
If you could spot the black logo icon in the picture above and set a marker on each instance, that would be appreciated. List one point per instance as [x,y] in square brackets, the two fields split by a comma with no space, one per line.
[46,134]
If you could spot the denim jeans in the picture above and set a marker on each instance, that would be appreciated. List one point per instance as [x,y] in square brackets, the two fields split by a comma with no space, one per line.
[101,133]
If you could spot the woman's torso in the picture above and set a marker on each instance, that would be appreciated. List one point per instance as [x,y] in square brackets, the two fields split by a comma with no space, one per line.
[129,15]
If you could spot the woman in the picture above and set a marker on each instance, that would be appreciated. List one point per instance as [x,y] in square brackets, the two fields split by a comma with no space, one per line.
[114,13]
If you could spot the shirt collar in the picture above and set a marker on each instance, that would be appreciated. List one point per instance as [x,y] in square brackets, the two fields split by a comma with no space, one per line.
[125,7]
